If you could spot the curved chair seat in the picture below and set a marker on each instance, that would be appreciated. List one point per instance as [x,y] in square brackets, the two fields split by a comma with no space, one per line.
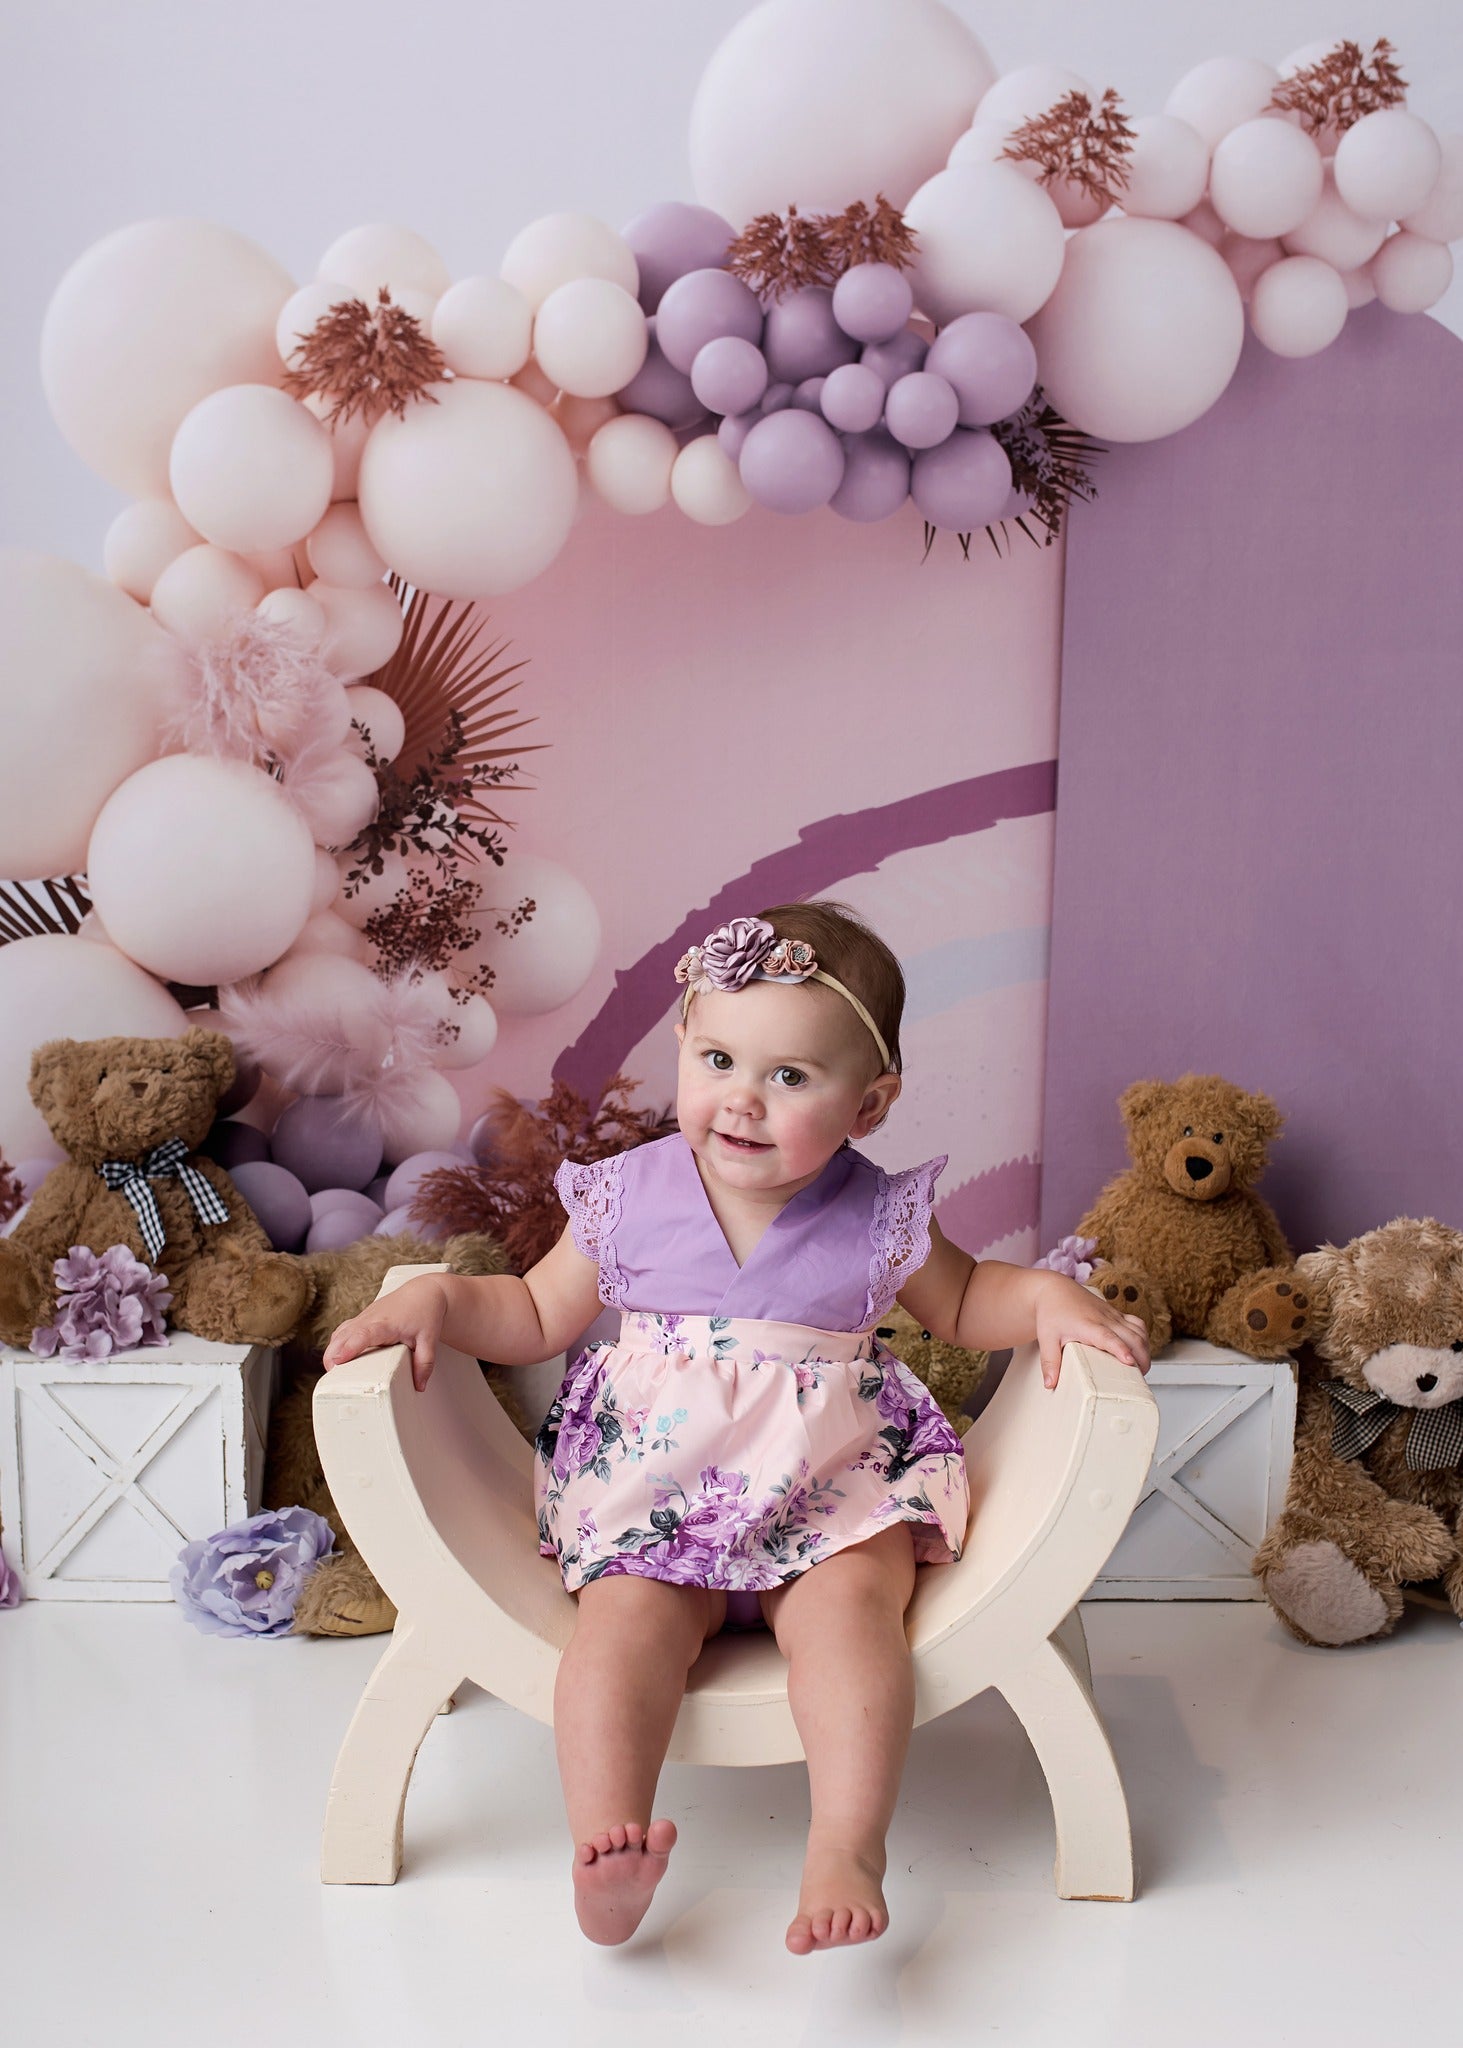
[436,1489]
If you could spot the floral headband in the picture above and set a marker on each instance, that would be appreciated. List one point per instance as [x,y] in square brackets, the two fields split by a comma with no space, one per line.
[748,949]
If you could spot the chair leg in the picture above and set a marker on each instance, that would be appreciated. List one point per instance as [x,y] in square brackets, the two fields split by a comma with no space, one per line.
[1071,1637]
[363,1812]
[1052,1698]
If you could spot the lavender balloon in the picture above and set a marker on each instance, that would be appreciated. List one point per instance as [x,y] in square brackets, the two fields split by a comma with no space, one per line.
[700,306]
[231,1144]
[277,1199]
[809,395]
[326,1144]
[872,301]
[792,462]
[875,481]
[897,358]
[661,390]
[403,1184]
[776,398]
[964,483]
[803,339]
[729,374]
[921,410]
[367,1213]
[734,429]
[989,361]
[671,239]
[337,1228]
[482,1141]
[853,398]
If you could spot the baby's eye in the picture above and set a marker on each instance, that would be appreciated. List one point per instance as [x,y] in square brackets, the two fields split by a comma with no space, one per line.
[794,1076]
[714,1056]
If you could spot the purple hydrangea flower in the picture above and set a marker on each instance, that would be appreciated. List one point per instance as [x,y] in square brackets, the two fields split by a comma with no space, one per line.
[244,1581]
[11,1590]
[1072,1256]
[106,1304]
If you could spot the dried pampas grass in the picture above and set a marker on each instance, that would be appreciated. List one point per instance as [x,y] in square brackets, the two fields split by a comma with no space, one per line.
[252,693]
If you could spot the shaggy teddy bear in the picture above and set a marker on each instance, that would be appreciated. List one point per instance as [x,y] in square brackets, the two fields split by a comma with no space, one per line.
[1187,1243]
[1376,1486]
[131,1114]
[952,1375]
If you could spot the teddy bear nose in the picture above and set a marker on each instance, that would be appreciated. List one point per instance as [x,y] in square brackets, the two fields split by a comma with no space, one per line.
[1199,1169]
[1426,1382]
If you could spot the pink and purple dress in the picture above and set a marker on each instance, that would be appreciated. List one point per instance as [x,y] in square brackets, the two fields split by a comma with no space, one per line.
[749,1421]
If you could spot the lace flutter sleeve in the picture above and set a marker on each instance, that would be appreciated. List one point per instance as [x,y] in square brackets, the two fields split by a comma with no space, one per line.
[592,1192]
[900,1232]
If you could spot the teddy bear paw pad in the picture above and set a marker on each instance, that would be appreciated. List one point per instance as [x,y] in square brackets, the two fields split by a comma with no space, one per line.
[1318,1587]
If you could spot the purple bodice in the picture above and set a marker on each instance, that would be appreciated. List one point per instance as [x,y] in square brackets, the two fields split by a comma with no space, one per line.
[834,1256]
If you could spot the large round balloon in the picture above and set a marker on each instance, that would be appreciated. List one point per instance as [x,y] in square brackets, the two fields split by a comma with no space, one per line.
[549,958]
[1143,331]
[422,1114]
[472,496]
[202,870]
[816,103]
[326,1142]
[251,468]
[89,681]
[147,322]
[561,247]
[379,254]
[59,987]
[989,242]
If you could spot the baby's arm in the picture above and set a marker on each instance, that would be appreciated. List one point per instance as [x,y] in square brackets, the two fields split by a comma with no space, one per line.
[497,1316]
[990,1305]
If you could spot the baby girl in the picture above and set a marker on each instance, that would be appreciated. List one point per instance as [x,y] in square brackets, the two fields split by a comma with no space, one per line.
[748,1452]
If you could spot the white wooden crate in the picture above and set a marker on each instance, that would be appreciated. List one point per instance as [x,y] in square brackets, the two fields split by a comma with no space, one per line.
[108,1469]
[1226,1430]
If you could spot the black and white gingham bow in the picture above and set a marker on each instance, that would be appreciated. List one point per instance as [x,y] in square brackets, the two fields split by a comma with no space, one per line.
[164,1162]
[1434,1441]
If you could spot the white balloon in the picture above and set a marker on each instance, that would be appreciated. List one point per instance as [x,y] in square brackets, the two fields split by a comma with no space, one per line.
[1167,168]
[1298,306]
[562,246]
[198,596]
[580,419]
[1440,216]
[347,439]
[276,566]
[147,322]
[380,717]
[326,892]
[1410,273]
[340,552]
[1386,164]
[1334,233]
[549,958]
[532,382]
[483,327]
[988,241]
[1248,258]
[1220,93]
[472,496]
[89,684]
[236,903]
[1265,178]
[476,1027]
[328,933]
[820,102]
[590,337]
[366,258]
[1029,90]
[303,310]
[251,468]
[1360,291]
[63,987]
[363,628]
[981,143]
[985,143]
[337,797]
[1142,333]
[140,543]
[629,463]
[707,484]
[296,609]
[423,1115]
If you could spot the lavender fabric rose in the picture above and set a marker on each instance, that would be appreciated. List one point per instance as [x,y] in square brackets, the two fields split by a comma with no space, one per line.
[11,1590]
[727,957]
[1072,1256]
[106,1304]
[244,1581]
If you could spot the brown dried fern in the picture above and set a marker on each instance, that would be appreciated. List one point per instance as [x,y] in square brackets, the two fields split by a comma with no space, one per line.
[366,359]
[781,253]
[1077,144]
[1340,87]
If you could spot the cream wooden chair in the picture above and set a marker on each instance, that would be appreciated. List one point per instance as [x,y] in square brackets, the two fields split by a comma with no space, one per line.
[437,1490]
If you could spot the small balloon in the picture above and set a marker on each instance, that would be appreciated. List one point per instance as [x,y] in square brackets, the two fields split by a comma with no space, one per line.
[141,541]
[852,398]
[671,239]
[729,374]
[1386,164]
[590,337]
[896,358]
[1265,178]
[340,552]
[278,1199]
[707,485]
[1168,168]
[250,468]
[483,326]
[962,484]
[792,461]
[872,301]
[629,463]
[922,410]
[699,307]
[1298,306]
[802,337]
[200,594]
[875,478]
[990,363]
[1410,273]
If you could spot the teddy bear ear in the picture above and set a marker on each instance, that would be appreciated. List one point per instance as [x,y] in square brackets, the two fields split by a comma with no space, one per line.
[1141,1098]
[1264,1115]
[1319,1270]
[213,1052]
[47,1064]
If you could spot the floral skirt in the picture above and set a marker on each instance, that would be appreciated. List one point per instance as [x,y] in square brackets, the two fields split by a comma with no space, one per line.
[731,1453]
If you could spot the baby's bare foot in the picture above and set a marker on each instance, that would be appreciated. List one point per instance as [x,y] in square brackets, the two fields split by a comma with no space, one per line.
[841,1901]
[615,1875]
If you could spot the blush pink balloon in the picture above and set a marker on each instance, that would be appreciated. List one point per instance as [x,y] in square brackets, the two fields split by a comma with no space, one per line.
[250,468]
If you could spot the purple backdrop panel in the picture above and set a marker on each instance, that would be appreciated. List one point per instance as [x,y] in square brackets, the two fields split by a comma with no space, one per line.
[1259,843]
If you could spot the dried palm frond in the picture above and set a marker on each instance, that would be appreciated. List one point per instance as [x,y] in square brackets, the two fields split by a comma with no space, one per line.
[1340,87]
[366,359]
[781,253]
[1077,144]
[22,916]
[858,236]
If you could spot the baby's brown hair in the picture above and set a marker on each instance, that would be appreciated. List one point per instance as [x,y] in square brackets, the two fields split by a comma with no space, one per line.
[852,953]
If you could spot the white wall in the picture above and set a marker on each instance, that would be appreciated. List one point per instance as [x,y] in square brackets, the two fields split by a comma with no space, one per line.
[295,119]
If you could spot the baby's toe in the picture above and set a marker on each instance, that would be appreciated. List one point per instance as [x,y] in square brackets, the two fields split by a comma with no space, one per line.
[618,1837]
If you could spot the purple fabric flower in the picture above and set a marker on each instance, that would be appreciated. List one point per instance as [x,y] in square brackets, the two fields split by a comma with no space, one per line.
[11,1590]
[727,957]
[244,1581]
[106,1304]
[1072,1256]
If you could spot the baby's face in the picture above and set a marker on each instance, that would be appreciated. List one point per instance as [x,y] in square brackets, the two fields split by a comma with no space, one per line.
[772,1078]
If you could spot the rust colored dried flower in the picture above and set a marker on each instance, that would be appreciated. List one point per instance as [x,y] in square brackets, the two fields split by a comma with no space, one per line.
[858,236]
[1078,144]
[366,359]
[781,253]
[1340,87]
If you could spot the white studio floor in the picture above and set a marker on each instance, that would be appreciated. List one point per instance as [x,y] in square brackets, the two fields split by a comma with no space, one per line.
[1297,1814]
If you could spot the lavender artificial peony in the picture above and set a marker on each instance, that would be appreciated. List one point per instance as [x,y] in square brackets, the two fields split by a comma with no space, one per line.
[106,1304]
[11,1590]
[244,1581]
[727,957]
[1072,1256]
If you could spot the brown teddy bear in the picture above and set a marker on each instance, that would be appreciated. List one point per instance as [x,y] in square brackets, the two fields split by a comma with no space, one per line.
[131,1113]
[1377,1483]
[1186,1242]
[952,1375]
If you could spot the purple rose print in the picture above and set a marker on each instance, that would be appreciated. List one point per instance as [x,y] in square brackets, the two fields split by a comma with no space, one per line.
[244,1581]
[11,1590]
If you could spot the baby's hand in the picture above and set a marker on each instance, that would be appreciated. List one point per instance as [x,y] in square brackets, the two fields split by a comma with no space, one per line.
[413,1314]
[1069,1314]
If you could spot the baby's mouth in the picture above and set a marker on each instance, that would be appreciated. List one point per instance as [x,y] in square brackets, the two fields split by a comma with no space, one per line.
[740,1144]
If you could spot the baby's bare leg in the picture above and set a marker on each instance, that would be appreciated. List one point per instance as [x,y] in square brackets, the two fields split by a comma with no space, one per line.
[618,1690]
[850,1685]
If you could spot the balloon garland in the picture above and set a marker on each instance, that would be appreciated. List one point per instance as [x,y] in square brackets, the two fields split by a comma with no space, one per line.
[900,281]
